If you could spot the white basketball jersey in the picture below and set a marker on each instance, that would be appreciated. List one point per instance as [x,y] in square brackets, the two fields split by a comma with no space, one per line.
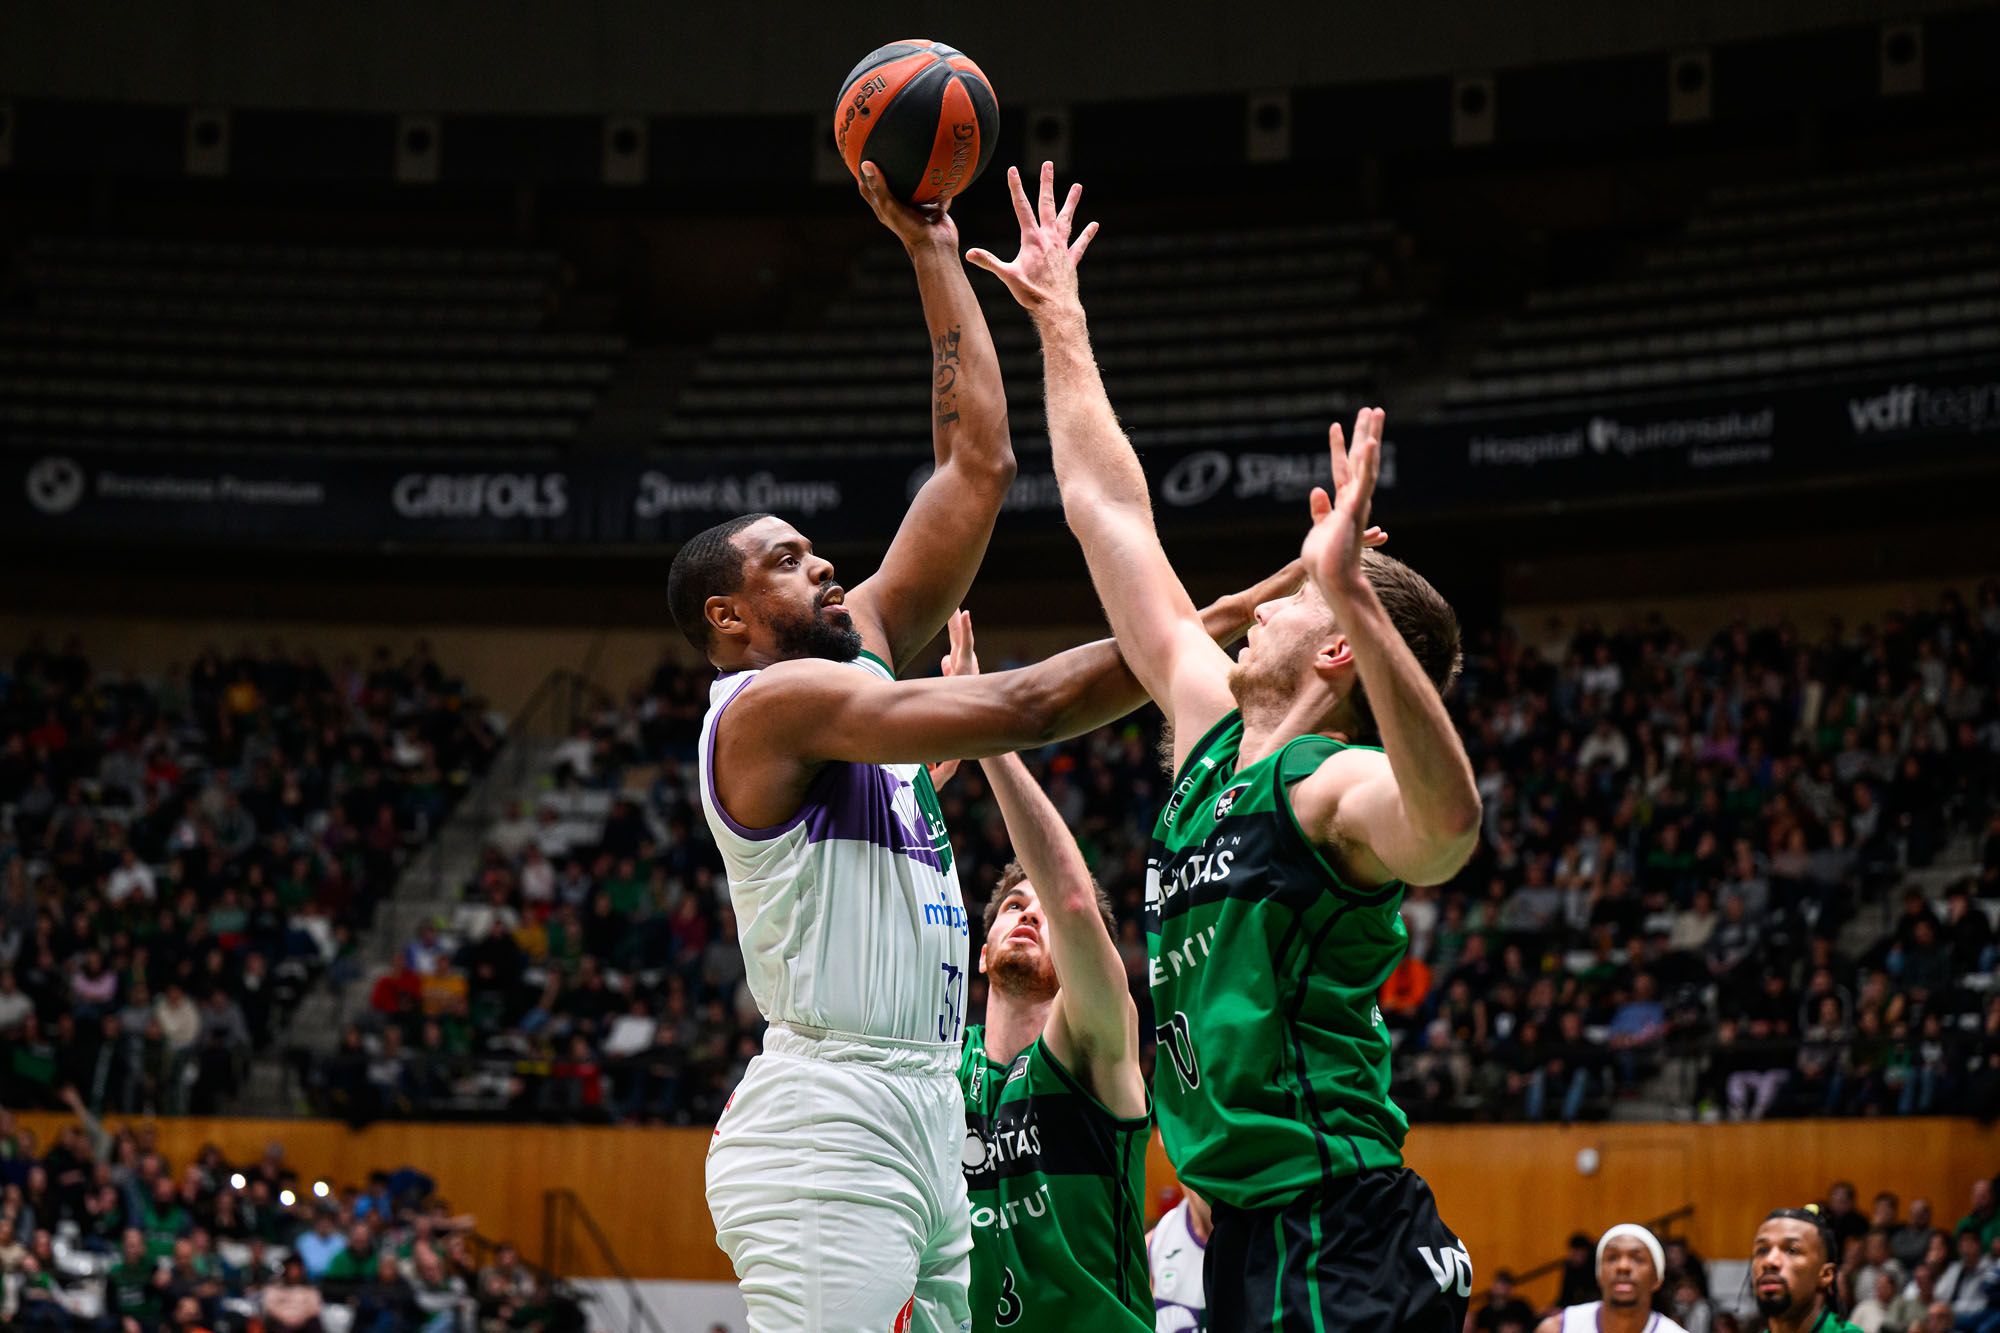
[1180,1304]
[849,912]
[1583,1319]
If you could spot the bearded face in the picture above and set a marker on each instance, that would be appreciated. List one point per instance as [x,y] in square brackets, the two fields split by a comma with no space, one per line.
[1016,956]
[1278,652]
[823,631]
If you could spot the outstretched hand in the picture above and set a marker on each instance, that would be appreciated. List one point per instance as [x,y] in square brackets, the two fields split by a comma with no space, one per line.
[1340,531]
[914,225]
[1043,274]
[960,661]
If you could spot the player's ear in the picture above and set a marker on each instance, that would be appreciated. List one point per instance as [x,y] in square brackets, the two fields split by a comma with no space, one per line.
[724,618]
[982,960]
[1334,660]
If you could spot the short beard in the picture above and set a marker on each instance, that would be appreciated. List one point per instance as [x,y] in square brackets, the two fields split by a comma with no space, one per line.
[1012,974]
[812,635]
[1255,692]
[1773,1306]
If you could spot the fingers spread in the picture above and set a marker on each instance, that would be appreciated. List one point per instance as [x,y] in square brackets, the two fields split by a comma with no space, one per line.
[1067,214]
[1022,213]
[1048,195]
[1082,243]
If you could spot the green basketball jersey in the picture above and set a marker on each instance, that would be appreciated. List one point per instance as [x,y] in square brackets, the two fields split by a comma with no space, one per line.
[1272,1074]
[1057,1185]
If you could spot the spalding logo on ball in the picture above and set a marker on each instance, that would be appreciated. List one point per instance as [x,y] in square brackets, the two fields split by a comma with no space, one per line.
[923,114]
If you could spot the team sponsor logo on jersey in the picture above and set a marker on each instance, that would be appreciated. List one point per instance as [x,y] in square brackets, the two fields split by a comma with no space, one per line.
[949,915]
[1190,954]
[1227,801]
[904,1316]
[1014,1212]
[1450,1265]
[1198,869]
[989,1151]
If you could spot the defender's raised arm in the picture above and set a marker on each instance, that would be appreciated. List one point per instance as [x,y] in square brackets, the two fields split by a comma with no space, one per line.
[1413,813]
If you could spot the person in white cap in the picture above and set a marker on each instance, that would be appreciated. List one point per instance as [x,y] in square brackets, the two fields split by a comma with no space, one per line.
[1630,1268]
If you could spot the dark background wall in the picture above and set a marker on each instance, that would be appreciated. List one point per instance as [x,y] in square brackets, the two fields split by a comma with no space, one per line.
[593,56]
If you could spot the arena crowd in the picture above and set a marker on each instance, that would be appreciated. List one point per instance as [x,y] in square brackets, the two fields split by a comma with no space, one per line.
[1695,861]
[181,856]
[99,1231]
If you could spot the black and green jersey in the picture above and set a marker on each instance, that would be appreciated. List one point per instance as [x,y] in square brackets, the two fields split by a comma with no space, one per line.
[1057,1185]
[1272,1075]
[1829,1322]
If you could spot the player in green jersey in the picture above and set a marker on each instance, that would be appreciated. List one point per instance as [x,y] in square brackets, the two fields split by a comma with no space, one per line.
[1280,858]
[1793,1263]
[1056,1115]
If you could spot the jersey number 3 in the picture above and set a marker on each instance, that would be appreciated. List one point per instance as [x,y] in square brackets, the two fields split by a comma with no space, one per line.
[1178,1043]
[1009,1310]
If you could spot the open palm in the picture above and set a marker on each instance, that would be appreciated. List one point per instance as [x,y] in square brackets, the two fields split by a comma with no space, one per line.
[1340,532]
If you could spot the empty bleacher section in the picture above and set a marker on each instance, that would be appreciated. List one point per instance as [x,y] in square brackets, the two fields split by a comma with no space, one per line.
[1232,335]
[1817,278]
[159,343]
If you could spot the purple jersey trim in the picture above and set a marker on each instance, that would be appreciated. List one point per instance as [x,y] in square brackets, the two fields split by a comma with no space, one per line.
[715,791]
[856,803]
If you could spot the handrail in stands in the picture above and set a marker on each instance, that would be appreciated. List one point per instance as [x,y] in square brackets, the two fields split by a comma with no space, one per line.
[560,1207]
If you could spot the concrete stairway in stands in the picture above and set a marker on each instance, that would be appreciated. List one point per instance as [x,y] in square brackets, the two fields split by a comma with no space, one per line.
[429,886]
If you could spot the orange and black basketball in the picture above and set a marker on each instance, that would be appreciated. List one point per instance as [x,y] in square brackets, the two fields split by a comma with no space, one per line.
[923,114]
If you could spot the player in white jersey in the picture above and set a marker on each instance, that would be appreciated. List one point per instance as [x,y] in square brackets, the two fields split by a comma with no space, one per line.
[1630,1268]
[1174,1252]
[834,1175]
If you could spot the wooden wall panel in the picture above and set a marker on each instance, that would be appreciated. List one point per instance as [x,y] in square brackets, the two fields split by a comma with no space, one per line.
[1514,1193]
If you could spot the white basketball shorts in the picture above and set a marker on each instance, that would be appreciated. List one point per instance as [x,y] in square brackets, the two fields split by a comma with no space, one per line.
[836,1187]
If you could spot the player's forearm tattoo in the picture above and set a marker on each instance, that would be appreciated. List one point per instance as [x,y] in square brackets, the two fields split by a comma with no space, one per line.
[944,377]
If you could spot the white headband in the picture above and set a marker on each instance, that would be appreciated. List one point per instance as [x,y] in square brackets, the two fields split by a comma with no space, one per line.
[1644,1237]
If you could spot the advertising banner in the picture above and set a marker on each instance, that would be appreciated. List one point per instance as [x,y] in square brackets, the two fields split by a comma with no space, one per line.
[663,498]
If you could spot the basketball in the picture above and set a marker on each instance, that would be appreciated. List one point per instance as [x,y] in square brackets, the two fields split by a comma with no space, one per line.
[923,114]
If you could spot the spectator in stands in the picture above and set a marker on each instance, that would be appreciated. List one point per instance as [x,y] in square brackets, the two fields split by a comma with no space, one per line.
[1842,1217]
[504,1288]
[1912,1305]
[1579,1272]
[1502,1307]
[319,1247]
[1871,1312]
[440,1295]
[291,1304]
[1963,1284]
[1984,1219]
[387,1304]
[1690,1308]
